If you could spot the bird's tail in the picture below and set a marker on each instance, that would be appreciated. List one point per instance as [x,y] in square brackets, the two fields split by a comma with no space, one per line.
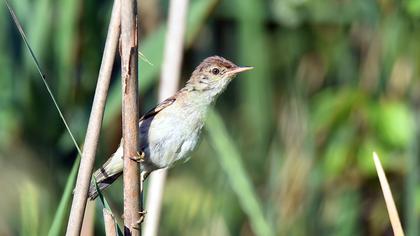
[107,174]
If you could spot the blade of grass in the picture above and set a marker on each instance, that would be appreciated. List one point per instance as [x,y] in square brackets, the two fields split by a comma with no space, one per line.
[230,160]
[29,200]
[256,94]
[61,213]
[40,27]
[65,42]
[389,200]
[411,183]
[106,206]
[101,196]
[22,34]
[7,96]
[197,15]
[58,220]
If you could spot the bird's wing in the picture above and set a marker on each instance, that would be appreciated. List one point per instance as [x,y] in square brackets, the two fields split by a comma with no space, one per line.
[164,104]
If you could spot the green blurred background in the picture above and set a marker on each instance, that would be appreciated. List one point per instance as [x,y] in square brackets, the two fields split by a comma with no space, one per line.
[334,80]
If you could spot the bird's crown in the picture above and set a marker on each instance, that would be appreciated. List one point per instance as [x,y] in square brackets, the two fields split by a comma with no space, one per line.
[215,61]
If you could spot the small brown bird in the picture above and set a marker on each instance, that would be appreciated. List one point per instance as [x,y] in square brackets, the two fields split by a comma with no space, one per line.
[170,132]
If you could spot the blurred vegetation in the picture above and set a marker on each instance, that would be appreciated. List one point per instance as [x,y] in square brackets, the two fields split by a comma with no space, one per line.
[290,149]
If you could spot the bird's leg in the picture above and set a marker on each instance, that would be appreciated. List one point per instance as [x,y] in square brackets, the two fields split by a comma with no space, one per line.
[139,157]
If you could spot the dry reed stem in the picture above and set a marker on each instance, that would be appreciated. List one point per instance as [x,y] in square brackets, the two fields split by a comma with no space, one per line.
[169,80]
[109,221]
[95,121]
[389,200]
[88,225]
[129,65]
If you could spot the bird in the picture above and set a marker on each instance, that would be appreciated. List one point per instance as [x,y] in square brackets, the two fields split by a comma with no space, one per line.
[170,132]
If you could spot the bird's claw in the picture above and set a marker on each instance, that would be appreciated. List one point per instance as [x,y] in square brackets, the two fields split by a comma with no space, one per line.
[142,216]
[139,157]
[141,219]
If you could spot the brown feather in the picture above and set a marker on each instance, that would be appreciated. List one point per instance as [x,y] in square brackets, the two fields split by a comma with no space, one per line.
[159,107]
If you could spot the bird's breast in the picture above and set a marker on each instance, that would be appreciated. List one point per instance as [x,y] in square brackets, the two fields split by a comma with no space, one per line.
[171,135]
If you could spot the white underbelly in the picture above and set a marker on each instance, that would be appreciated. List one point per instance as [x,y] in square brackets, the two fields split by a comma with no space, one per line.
[172,141]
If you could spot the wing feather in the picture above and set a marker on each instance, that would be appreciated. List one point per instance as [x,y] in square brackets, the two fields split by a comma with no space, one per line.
[164,104]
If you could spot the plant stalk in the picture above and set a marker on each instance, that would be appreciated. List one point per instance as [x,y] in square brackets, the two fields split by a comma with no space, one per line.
[110,228]
[95,121]
[130,117]
[169,80]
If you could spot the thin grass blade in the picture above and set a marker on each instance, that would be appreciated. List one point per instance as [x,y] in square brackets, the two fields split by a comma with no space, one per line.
[230,160]
[106,206]
[22,34]
[61,213]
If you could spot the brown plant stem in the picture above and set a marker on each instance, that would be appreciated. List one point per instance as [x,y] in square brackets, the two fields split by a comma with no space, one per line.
[95,121]
[169,80]
[129,65]
[88,225]
[110,229]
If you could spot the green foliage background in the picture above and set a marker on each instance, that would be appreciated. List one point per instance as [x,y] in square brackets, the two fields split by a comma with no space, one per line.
[288,151]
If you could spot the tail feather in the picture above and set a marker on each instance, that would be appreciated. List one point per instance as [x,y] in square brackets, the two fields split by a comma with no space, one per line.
[103,184]
[107,174]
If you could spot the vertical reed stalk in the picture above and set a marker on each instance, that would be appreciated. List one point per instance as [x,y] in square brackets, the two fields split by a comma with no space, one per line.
[110,229]
[88,225]
[129,65]
[95,121]
[171,67]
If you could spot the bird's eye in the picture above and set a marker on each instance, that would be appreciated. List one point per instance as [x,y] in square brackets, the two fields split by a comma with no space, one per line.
[215,71]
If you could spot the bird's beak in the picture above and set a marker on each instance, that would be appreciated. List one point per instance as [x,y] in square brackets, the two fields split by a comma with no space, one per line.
[239,70]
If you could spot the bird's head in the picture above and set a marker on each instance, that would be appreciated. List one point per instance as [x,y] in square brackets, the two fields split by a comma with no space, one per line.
[213,75]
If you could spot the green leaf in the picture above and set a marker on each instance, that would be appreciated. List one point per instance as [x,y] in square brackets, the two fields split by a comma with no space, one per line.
[413,7]
[30,208]
[105,204]
[395,124]
[230,160]
[60,217]
[41,73]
